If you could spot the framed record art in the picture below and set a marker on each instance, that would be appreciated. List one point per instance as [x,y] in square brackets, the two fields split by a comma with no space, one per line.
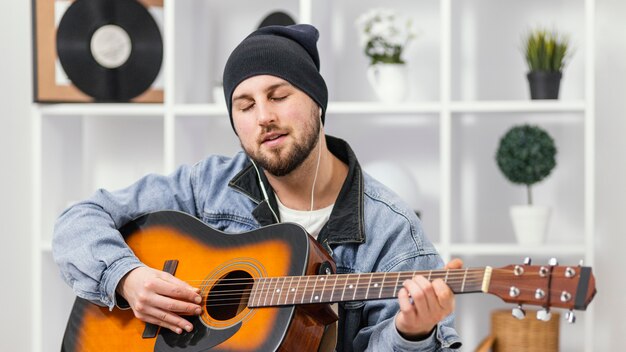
[97,50]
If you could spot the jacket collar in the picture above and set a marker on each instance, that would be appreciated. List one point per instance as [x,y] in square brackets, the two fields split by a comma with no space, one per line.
[346,224]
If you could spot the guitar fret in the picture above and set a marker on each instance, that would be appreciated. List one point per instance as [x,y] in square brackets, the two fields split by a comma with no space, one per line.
[313,291]
[296,291]
[305,286]
[345,283]
[369,284]
[262,292]
[382,285]
[288,289]
[257,286]
[325,279]
[464,277]
[395,291]
[332,293]
[446,279]
[356,286]
[274,291]
[282,289]
[268,285]
[253,292]
[429,274]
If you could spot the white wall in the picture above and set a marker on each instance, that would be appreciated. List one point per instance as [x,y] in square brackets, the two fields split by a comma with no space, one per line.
[15,149]
[610,307]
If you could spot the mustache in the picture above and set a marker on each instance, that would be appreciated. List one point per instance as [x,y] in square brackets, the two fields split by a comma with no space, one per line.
[272,128]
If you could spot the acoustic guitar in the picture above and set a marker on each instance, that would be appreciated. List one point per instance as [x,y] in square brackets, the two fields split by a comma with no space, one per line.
[270,289]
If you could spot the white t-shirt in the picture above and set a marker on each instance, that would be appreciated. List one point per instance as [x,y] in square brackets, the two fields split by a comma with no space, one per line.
[312,221]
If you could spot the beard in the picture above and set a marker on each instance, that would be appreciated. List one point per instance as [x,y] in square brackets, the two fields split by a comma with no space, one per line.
[279,162]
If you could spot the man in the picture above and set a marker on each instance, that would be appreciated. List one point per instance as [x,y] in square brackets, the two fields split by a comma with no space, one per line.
[289,171]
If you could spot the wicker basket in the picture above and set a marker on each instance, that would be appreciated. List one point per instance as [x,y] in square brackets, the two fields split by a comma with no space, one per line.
[509,334]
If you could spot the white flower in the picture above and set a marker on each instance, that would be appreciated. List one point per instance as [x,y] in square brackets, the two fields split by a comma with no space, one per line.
[384,34]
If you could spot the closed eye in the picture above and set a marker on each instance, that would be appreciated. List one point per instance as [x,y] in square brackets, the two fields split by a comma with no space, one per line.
[279,98]
[246,107]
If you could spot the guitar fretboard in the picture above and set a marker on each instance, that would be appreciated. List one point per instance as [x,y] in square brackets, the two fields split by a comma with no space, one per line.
[290,290]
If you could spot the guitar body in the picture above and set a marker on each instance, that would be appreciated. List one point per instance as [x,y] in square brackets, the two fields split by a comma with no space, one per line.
[206,257]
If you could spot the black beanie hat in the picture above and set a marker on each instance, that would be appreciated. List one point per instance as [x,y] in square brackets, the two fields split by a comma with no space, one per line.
[288,52]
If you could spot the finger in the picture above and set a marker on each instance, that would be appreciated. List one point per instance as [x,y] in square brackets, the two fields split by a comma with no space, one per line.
[455,263]
[167,320]
[172,288]
[405,303]
[173,305]
[176,281]
[428,293]
[445,297]
[417,295]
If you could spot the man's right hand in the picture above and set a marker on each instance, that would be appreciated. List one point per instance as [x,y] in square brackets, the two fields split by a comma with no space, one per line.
[160,298]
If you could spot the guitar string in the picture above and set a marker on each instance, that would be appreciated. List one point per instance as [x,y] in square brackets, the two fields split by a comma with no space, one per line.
[435,274]
[298,296]
[554,291]
[339,282]
[303,288]
[361,283]
[310,289]
[298,291]
[218,295]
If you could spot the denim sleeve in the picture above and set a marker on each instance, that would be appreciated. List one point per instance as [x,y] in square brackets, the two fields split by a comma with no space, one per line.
[381,333]
[86,244]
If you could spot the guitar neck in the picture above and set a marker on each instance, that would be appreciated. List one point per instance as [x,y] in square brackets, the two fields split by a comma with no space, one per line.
[293,290]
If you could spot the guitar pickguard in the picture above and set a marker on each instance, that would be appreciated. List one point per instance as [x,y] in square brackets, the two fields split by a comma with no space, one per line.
[198,340]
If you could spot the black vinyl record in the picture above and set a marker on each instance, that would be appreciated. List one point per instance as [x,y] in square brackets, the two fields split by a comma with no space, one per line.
[110,49]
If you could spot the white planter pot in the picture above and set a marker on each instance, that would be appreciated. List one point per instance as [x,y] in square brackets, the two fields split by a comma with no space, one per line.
[530,223]
[390,81]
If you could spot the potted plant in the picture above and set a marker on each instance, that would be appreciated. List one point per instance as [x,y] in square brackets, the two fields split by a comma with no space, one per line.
[384,34]
[526,155]
[546,54]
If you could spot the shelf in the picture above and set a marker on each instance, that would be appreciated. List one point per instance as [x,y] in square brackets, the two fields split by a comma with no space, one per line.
[102,109]
[382,108]
[333,108]
[518,106]
[517,249]
[201,109]
[468,88]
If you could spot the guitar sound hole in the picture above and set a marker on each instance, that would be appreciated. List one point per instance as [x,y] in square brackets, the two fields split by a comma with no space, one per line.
[229,296]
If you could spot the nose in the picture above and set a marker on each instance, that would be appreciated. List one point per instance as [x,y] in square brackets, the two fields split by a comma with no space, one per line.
[266,114]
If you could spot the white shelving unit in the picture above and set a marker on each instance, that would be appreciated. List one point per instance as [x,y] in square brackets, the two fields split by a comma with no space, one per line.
[469,88]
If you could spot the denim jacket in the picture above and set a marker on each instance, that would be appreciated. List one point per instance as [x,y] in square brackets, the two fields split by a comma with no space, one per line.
[370,230]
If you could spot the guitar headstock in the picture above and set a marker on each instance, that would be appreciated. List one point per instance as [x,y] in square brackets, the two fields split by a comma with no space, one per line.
[551,285]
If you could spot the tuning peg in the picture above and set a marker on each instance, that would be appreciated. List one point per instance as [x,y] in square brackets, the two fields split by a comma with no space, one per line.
[518,312]
[544,314]
[553,262]
[581,262]
[527,261]
[570,317]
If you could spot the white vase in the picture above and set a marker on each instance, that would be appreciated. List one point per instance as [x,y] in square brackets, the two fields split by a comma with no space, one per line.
[390,81]
[530,223]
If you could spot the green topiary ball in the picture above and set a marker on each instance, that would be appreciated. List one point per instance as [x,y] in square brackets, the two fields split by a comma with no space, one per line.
[526,154]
